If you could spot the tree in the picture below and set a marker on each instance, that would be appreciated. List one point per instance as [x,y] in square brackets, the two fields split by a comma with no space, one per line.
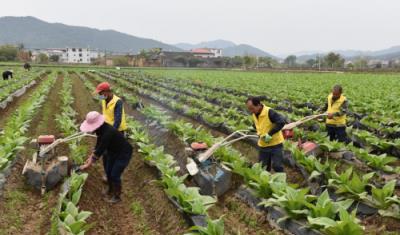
[144,54]
[43,58]
[24,56]
[8,53]
[334,60]
[267,62]
[121,61]
[311,63]
[290,61]
[219,62]
[249,61]
[54,58]
[237,61]
[350,66]
[20,46]
[360,63]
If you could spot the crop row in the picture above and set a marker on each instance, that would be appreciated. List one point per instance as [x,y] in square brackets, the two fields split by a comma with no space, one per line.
[68,219]
[234,160]
[207,116]
[13,136]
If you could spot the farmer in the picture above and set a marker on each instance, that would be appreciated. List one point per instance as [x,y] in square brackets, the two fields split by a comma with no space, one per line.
[27,66]
[112,107]
[118,150]
[7,74]
[268,124]
[336,107]
[113,111]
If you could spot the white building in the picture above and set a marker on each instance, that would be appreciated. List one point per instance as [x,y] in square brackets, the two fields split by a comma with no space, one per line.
[217,52]
[207,52]
[71,55]
[378,64]
[75,55]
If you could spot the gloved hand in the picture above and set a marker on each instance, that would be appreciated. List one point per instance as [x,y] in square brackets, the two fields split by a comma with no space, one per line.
[267,138]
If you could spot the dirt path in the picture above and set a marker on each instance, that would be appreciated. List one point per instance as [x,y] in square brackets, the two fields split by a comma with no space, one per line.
[23,210]
[144,208]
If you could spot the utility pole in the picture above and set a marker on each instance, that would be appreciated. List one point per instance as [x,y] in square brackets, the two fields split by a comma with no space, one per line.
[319,62]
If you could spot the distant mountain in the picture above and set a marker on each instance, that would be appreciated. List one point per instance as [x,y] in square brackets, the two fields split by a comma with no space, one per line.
[244,49]
[385,54]
[228,48]
[222,44]
[35,33]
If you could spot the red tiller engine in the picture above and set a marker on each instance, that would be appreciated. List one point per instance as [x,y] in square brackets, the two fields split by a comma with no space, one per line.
[308,147]
[45,139]
[46,171]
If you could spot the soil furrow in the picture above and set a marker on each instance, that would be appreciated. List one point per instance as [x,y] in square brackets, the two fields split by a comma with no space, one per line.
[24,210]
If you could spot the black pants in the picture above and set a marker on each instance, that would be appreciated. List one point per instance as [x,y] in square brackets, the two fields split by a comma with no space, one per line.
[271,157]
[337,133]
[114,165]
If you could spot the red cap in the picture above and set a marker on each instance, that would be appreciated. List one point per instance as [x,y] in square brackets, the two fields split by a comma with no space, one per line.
[104,86]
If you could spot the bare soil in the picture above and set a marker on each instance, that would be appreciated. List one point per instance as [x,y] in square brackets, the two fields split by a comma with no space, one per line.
[23,209]
[144,208]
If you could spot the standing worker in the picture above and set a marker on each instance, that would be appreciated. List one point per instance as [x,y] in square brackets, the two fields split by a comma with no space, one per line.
[269,126]
[7,74]
[336,107]
[113,110]
[112,107]
[118,149]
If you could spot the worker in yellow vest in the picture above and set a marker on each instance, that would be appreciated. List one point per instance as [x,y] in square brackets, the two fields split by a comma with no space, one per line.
[336,107]
[114,115]
[112,107]
[268,124]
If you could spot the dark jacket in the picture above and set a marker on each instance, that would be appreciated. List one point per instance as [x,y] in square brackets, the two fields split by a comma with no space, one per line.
[7,74]
[111,140]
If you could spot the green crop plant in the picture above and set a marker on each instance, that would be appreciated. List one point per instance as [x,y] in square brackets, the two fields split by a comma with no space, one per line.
[214,227]
[349,182]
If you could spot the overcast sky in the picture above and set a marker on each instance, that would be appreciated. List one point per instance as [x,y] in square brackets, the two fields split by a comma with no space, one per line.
[279,26]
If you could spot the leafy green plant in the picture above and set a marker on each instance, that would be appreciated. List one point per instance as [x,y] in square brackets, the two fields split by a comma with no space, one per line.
[384,197]
[347,224]
[351,183]
[190,199]
[73,220]
[214,227]
[325,207]
[380,162]
[12,138]
[330,146]
[70,219]
[295,202]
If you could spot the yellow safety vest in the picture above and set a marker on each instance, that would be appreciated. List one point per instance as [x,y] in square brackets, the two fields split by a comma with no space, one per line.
[263,126]
[334,108]
[108,112]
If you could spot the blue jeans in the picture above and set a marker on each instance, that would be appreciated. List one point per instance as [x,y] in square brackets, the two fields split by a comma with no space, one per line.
[337,133]
[271,157]
[114,165]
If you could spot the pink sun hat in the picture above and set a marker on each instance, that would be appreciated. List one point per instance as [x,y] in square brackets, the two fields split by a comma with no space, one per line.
[93,121]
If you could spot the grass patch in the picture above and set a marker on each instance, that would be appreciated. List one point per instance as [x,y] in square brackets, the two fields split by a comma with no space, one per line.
[136,208]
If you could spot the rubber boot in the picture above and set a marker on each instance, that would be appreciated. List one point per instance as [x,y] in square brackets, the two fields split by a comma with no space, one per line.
[116,194]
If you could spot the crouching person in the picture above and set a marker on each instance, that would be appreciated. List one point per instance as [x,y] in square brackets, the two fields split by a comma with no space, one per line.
[118,149]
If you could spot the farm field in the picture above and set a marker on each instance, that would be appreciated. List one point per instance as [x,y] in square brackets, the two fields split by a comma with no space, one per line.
[340,189]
